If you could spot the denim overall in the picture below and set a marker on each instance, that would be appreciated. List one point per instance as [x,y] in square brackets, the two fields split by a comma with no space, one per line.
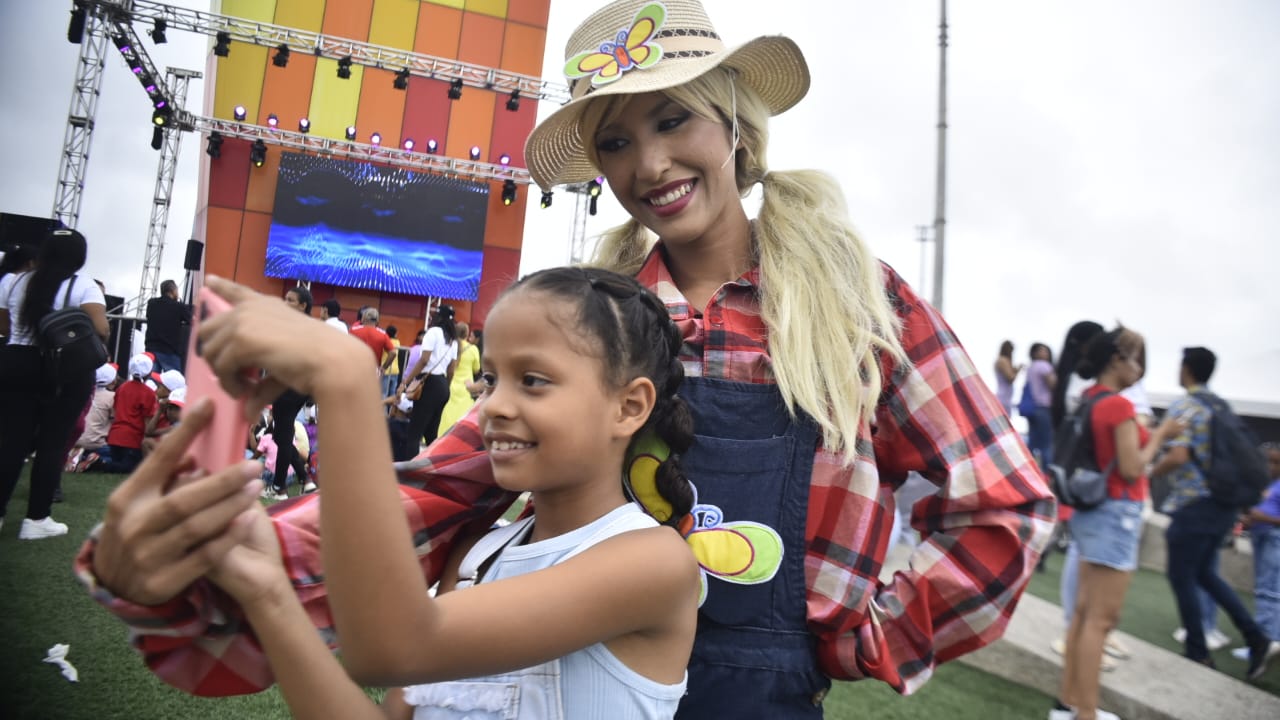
[753,656]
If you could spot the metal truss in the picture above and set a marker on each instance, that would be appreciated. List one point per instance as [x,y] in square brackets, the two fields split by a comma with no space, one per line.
[336,48]
[177,79]
[578,231]
[424,162]
[80,119]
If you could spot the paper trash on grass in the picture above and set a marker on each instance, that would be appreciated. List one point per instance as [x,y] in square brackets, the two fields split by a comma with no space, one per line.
[58,656]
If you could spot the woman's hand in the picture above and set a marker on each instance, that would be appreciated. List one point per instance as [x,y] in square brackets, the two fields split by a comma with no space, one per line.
[1171,427]
[262,333]
[167,525]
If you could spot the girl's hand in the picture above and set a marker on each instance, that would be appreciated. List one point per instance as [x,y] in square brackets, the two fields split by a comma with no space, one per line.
[263,333]
[1171,427]
[252,572]
[166,525]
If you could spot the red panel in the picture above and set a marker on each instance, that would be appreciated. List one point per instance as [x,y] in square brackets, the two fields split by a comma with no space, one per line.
[426,111]
[381,107]
[253,254]
[530,12]
[229,175]
[438,30]
[511,129]
[348,19]
[504,224]
[404,305]
[222,241]
[501,268]
[481,41]
[352,299]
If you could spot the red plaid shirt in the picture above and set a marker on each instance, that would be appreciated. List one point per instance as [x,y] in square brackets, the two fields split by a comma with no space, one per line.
[983,529]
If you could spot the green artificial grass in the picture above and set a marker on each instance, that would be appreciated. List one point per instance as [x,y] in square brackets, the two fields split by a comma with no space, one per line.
[41,604]
[1151,614]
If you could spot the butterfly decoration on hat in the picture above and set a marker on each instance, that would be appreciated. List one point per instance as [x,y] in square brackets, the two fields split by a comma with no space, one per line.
[629,49]
[740,552]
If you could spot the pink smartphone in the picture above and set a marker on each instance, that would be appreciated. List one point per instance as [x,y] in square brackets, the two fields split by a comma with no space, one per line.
[222,443]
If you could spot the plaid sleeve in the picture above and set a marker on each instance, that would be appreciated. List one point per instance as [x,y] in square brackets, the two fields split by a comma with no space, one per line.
[983,530]
[200,643]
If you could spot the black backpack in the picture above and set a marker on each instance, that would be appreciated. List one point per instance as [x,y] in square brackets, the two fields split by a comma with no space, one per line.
[1235,470]
[1074,475]
[68,341]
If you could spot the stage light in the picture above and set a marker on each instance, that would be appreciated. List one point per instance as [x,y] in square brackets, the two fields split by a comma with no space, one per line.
[75,28]
[239,113]
[408,144]
[281,58]
[157,138]
[513,102]
[344,68]
[546,200]
[504,159]
[402,80]
[157,31]
[593,187]
[351,132]
[121,42]
[222,44]
[214,148]
[375,139]
[258,153]
[475,152]
[455,89]
[304,126]
[508,192]
[162,115]
[273,122]
[432,145]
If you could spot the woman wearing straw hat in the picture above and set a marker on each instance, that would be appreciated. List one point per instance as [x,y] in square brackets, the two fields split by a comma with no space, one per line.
[817,381]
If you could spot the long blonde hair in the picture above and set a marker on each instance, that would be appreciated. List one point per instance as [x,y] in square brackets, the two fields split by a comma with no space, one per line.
[822,291]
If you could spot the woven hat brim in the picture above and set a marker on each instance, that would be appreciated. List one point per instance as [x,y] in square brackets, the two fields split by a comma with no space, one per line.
[771,65]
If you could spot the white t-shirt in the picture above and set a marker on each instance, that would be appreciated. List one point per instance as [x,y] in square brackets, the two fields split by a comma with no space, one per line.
[336,324]
[439,353]
[13,289]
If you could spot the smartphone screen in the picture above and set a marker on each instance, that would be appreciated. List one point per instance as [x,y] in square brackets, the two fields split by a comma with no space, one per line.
[222,443]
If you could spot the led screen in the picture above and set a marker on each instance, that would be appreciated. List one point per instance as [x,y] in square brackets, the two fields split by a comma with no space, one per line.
[360,225]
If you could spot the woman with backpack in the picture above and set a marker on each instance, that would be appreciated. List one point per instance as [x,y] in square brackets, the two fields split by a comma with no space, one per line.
[40,401]
[1107,535]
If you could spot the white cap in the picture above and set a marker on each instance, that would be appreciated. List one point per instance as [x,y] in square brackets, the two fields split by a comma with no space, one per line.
[178,397]
[140,366]
[106,374]
[173,380]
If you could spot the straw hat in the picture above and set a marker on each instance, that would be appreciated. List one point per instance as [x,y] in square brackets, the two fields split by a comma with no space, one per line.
[639,46]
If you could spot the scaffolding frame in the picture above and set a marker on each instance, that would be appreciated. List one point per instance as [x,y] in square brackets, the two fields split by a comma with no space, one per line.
[85,91]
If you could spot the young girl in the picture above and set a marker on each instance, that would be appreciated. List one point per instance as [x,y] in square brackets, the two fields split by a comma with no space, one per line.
[135,406]
[586,609]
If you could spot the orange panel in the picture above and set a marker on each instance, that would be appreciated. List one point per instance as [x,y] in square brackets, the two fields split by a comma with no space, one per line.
[501,268]
[405,326]
[381,106]
[511,129]
[530,12]
[404,305]
[253,253]
[481,39]
[504,224]
[352,299]
[229,174]
[222,241]
[348,19]
[438,30]
[522,49]
[470,123]
[287,91]
[261,196]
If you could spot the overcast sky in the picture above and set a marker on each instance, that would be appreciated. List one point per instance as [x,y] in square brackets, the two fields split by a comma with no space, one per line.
[1108,160]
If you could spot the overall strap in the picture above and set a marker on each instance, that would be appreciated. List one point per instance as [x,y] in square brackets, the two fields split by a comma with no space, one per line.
[487,548]
[626,522]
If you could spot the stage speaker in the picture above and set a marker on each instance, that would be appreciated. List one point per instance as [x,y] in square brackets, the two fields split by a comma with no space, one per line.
[195,252]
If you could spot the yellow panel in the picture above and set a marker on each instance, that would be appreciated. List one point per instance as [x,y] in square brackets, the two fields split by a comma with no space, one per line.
[448,3]
[394,23]
[239,80]
[497,8]
[260,10]
[334,100]
[300,14]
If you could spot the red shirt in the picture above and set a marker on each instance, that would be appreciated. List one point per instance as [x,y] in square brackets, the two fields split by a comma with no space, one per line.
[377,340]
[1108,414]
[135,402]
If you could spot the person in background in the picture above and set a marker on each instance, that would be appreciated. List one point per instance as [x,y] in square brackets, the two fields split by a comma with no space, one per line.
[464,387]
[437,363]
[1006,373]
[166,319]
[1041,381]
[391,361]
[91,446]
[376,339]
[331,313]
[40,403]
[1264,536]
[284,409]
[135,405]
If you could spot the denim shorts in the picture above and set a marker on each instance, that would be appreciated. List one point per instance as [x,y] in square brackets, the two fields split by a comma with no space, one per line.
[1109,534]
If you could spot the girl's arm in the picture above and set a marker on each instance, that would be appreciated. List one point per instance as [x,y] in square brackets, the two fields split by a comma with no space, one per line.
[97,312]
[1005,367]
[1132,460]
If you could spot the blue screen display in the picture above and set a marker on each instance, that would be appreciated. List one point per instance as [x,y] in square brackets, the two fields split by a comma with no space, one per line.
[360,225]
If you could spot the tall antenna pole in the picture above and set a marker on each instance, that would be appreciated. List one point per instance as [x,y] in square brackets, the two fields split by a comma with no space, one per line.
[940,202]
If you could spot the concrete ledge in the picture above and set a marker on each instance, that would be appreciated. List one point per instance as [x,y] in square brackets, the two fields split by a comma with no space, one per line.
[1235,563]
[1154,684]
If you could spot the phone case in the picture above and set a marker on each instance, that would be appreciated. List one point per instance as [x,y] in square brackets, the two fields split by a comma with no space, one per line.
[222,443]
